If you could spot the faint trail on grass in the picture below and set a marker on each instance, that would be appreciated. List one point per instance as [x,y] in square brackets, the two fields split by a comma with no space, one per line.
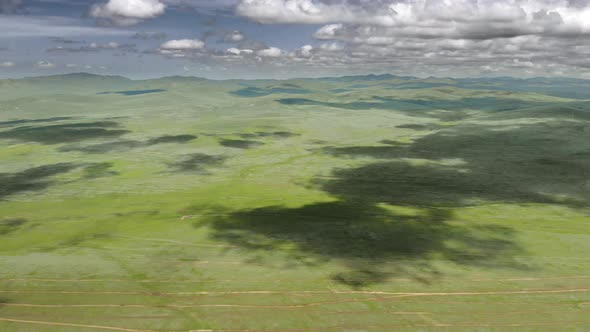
[110,280]
[99,327]
[175,242]
[389,295]
[535,279]
[342,327]
[183,306]
[441,325]
[231,280]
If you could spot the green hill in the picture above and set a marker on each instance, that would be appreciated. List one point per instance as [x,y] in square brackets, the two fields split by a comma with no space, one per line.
[365,203]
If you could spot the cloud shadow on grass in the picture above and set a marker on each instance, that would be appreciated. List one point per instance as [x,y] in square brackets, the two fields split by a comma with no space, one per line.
[32,179]
[171,139]
[261,92]
[198,163]
[116,146]
[27,121]
[441,109]
[8,226]
[64,133]
[240,143]
[536,163]
[126,145]
[99,170]
[371,241]
[273,134]
[393,216]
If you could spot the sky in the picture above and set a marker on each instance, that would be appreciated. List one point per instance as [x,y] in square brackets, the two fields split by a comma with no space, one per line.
[223,39]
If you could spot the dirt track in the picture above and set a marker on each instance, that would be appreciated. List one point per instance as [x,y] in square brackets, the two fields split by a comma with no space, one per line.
[434,325]
[263,292]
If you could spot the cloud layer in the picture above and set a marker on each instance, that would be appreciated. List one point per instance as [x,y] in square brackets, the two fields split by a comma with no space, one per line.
[432,18]
[437,36]
[308,37]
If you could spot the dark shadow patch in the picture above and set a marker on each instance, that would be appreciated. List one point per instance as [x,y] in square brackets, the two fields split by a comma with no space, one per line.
[78,239]
[417,126]
[367,230]
[132,92]
[301,101]
[198,163]
[274,134]
[383,152]
[376,103]
[534,163]
[373,242]
[445,110]
[171,139]
[137,213]
[391,142]
[123,145]
[290,85]
[361,276]
[415,85]
[8,226]
[64,133]
[99,170]
[240,143]
[27,121]
[32,179]
[319,142]
[3,301]
[402,183]
[261,92]
[282,134]
[340,90]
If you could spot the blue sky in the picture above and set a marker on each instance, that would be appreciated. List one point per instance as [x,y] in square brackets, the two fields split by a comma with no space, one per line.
[295,38]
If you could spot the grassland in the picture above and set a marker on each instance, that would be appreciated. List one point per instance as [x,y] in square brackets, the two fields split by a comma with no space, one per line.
[353,204]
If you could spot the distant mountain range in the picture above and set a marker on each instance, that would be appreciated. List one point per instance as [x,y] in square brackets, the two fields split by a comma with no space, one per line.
[552,86]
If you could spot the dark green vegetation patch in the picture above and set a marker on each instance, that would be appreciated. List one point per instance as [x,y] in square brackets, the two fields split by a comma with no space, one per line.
[125,145]
[8,226]
[36,178]
[261,92]
[28,121]
[98,170]
[240,143]
[171,139]
[132,92]
[64,133]
[198,163]
[274,134]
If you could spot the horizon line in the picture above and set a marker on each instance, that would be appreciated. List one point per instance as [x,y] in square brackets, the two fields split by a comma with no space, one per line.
[298,78]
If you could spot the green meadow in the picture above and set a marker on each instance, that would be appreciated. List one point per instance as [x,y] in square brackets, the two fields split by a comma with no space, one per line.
[368,203]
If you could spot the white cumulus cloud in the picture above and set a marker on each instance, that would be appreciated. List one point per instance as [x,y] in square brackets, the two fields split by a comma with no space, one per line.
[234,37]
[7,64]
[127,12]
[332,47]
[237,51]
[183,44]
[306,51]
[328,31]
[271,52]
